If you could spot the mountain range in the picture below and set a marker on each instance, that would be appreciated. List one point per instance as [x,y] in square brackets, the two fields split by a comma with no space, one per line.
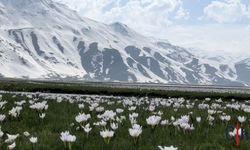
[47,40]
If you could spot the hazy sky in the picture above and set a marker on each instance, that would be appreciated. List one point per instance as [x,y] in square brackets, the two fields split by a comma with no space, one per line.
[221,26]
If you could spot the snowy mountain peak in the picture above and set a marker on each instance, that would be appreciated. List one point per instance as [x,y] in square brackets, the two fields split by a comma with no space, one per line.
[246,61]
[120,27]
[24,3]
[44,39]
[25,8]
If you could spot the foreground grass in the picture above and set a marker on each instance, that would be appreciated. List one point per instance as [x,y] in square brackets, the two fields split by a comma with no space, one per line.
[60,116]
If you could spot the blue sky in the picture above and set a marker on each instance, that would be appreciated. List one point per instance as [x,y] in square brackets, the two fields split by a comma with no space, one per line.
[210,25]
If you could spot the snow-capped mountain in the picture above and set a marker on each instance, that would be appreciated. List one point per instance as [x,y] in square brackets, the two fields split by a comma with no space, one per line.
[45,39]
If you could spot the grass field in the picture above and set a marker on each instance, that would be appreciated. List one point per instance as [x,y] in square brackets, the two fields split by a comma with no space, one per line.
[78,88]
[176,125]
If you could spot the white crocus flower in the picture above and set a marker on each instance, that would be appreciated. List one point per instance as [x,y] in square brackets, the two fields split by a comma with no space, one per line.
[67,138]
[172,118]
[2,103]
[1,133]
[11,138]
[210,120]
[64,136]
[40,106]
[26,133]
[151,108]
[227,118]
[242,119]
[133,120]
[114,126]
[167,148]
[94,105]
[107,135]
[59,99]
[87,129]
[12,146]
[247,110]
[135,131]
[20,103]
[81,118]
[164,122]
[208,99]
[153,120]
[119,110]
[91,108]
[133,115]
[132,108]
[71,138]
[81,106]
[42,116]
[211,112]
[108,115]
[2,117]
[15,111]
[33,140]
[103,123]
[99,109]
[198,119]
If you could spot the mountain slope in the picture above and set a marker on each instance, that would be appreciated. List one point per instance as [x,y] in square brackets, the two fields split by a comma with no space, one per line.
[44,39]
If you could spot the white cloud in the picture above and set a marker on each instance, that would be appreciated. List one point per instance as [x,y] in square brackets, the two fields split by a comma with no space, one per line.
[182,13]
[227,11]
